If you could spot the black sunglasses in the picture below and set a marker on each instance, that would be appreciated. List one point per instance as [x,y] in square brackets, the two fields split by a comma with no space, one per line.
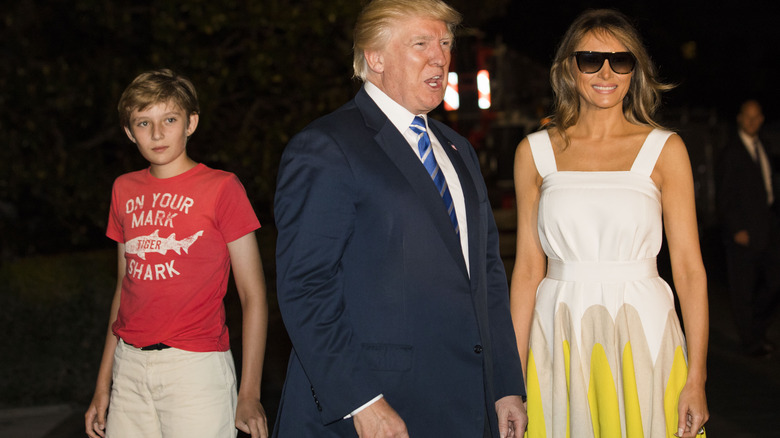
[621,63]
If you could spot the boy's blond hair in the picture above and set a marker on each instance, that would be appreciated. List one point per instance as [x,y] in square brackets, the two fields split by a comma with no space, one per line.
[152,87]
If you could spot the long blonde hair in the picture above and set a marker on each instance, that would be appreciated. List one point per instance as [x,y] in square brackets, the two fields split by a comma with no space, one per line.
[644,93]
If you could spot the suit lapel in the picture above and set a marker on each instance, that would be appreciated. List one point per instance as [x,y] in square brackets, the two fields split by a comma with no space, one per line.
[398,151]
[469,189]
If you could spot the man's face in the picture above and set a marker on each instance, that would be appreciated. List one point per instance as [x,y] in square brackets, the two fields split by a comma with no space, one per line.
[412,68]
[750,119]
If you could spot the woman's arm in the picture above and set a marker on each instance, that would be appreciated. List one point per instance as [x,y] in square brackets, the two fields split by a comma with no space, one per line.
[530,261]
[674,177]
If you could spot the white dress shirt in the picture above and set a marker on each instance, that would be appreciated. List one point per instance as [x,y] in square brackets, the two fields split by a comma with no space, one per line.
[757,151]
[402,119]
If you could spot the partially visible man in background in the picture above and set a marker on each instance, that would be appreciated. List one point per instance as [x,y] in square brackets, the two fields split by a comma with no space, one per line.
[746,206]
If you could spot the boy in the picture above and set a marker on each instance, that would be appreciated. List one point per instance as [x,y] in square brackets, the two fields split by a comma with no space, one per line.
[179,227]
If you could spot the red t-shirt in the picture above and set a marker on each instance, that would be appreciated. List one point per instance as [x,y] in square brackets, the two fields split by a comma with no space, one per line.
[175,232]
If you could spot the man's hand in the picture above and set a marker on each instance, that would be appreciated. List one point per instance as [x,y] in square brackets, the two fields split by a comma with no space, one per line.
[512,418]
[250,418]
[380,420]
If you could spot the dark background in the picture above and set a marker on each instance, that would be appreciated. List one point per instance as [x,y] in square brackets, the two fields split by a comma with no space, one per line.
[266,68]
[263,70]
[718,52]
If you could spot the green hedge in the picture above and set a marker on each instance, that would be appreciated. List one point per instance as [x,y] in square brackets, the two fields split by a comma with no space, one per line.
[53,320]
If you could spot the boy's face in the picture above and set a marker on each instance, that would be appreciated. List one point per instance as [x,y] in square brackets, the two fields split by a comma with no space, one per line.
[160,131]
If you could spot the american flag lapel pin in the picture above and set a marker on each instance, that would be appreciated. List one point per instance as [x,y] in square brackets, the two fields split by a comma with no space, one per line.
[452,145]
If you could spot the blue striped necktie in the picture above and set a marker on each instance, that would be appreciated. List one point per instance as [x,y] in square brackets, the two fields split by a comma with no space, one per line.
[429,161]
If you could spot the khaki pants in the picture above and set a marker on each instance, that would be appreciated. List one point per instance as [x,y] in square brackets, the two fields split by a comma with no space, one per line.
[172,393]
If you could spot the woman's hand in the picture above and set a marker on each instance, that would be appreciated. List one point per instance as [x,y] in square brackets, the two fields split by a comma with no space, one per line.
[691,410]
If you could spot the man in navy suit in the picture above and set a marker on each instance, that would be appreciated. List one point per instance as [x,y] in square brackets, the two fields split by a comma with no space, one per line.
[390,281]
[746,203]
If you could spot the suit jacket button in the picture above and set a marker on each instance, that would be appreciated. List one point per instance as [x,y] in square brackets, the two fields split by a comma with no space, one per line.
[478,349]
[316,400]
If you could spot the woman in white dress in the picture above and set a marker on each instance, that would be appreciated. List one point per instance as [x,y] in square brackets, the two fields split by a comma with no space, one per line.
[597,331]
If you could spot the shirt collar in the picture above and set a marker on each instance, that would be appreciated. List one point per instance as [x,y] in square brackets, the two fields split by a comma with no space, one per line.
[749,141]
[399,116]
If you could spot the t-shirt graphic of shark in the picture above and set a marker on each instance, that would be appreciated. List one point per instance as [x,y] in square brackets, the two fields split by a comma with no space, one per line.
[154,243]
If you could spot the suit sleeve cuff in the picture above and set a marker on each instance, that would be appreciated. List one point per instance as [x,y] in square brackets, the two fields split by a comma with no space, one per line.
[370,402]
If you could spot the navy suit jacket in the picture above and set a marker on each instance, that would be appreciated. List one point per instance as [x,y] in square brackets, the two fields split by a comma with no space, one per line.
[741,196]
[373,287]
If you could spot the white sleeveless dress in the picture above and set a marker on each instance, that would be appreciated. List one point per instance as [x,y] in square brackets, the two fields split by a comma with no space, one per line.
[607,354]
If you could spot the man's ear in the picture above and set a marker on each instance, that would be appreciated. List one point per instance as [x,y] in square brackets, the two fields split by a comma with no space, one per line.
[129,134]
[193,123]
[375,60]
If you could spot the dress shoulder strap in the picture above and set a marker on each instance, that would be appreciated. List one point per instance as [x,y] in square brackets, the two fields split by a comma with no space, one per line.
[542,151]
[650,151]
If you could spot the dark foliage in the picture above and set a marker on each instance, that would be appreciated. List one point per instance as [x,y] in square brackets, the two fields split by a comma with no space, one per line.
[54,316]
[263,70]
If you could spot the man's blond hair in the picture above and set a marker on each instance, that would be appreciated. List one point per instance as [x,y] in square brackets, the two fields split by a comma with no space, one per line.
[374,25]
